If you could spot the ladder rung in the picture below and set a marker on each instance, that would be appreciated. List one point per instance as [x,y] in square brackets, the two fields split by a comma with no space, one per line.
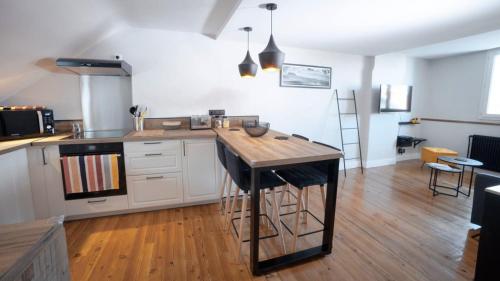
[349,128]
[351,143]
[345,99]
[355,158]
[348,113]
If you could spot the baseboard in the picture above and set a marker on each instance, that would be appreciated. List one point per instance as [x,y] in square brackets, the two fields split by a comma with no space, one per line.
[408,156]
[380,162]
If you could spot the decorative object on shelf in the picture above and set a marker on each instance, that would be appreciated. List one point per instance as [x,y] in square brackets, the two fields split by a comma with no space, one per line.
[271,58]
[305,76]
[248,68]
[256,129]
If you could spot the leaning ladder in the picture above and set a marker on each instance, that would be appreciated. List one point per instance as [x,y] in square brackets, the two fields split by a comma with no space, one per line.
[342,129]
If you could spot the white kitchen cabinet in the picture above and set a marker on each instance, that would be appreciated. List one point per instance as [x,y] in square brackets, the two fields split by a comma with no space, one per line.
[143,158]
[96,205]
[16,203]
[154,190]
[199,170]
[46,181]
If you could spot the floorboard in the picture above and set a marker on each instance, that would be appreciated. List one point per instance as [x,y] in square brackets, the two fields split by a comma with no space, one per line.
[388,226]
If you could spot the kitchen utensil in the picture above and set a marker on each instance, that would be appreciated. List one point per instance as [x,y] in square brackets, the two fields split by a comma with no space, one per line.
[256,129]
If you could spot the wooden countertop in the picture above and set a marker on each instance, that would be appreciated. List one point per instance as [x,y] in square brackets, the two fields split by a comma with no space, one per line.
[267,151]
[169,134]
[19,241]
[8,146]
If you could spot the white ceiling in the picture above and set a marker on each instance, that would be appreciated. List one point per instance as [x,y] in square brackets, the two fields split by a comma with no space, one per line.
[365,27]
[33,32]
[474,43]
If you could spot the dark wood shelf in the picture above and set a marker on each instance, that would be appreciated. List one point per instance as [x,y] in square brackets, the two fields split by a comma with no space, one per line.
[408,123]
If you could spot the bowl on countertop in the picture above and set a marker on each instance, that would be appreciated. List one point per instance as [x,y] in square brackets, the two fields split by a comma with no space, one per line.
[256,129]
[171,125]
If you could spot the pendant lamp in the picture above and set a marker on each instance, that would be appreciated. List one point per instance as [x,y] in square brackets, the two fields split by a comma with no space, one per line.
[271,58]
[248,68]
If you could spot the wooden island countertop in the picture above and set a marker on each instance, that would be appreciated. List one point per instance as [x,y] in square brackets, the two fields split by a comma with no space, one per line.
[267,151]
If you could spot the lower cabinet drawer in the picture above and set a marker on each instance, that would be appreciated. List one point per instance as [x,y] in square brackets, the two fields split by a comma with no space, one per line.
[153,163]
[95,205]
[154,190]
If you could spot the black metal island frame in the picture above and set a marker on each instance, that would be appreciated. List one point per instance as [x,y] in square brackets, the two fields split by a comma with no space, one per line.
[268,153]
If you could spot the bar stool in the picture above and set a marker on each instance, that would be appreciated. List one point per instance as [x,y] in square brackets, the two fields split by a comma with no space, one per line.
[227,178]
[302,178]
[240,173]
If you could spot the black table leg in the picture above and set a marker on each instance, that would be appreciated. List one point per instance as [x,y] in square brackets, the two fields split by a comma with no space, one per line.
[331,202]
[265,266]
[254,221]
[471,178]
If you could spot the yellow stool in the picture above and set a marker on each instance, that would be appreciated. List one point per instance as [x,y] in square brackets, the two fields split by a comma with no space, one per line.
[430,154]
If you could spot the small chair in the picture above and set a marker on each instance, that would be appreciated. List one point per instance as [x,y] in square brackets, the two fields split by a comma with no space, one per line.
[240,173]
[300,137]
[226,179]
[435,169]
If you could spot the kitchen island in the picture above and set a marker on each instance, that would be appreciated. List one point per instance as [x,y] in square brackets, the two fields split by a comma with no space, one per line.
[269,153]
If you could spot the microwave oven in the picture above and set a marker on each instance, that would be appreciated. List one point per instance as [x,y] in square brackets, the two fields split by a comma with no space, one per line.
[17,123]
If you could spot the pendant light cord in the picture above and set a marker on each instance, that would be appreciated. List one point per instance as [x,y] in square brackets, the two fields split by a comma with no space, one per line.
[271,22]
[248,41]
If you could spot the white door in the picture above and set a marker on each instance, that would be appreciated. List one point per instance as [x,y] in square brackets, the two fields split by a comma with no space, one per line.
[199,170]
[154,190]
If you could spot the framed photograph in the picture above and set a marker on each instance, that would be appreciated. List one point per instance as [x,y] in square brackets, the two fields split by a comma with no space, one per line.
[305,76]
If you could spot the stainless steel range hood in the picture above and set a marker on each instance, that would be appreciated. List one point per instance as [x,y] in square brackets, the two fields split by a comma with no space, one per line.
[95,67]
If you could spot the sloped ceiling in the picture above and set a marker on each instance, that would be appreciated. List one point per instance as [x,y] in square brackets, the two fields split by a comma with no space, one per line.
[365,27]
[34,33]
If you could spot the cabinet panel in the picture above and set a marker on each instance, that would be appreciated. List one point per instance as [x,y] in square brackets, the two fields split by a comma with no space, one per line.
[151,163]
[96,205]
[199,170]
[16,203]
[154,190]
[141,147]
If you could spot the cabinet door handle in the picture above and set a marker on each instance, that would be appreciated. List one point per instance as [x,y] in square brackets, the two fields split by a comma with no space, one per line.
[153,154]
[43,156]
[154,178]
[97,201]
[184,148]
[153,142]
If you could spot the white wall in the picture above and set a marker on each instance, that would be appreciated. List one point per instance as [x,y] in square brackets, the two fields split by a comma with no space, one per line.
[180,74]
[455,85]
[384,127]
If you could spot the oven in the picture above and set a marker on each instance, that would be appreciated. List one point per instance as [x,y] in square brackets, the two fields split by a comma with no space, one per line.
[93,170]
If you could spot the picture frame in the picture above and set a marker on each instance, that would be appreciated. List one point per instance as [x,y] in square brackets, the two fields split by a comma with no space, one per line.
[305,76]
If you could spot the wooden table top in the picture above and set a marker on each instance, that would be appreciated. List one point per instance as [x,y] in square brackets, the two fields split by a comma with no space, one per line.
[266,151]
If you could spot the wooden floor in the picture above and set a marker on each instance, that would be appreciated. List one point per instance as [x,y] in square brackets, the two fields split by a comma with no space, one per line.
[387,227]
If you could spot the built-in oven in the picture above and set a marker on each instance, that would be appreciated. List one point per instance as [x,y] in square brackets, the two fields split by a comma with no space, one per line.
[93,170]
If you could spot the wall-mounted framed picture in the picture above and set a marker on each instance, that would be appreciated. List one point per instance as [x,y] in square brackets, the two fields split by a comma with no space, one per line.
[305,76]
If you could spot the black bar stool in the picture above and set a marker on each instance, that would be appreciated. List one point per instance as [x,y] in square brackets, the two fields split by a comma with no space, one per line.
[227,181]
[302,178]
[240,173]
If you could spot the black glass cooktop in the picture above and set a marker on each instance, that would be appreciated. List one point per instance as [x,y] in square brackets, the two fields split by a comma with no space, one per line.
[100,134]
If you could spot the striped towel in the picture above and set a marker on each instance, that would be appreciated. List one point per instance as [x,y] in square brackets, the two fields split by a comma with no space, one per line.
[90,173]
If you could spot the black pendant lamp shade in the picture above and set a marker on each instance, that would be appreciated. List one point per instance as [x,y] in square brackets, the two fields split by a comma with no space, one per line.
[248,68]
[271,58]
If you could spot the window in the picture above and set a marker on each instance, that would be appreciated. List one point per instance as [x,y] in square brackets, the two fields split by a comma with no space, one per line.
[491,87]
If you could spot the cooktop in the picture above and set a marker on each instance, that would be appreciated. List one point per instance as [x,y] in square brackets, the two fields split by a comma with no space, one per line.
[100,134]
